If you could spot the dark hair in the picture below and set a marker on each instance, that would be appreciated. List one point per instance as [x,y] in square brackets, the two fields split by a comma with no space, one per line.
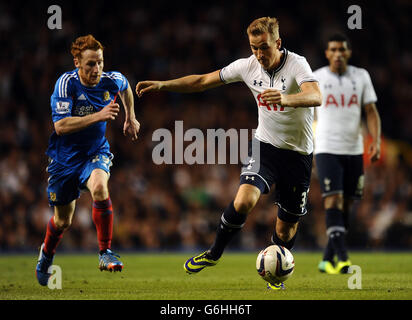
[338,37]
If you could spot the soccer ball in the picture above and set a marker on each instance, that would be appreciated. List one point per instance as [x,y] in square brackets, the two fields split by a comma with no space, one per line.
[275,264]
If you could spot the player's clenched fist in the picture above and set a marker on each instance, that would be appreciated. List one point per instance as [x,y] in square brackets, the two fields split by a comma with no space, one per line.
[109,112]
[147,86]
[272,96]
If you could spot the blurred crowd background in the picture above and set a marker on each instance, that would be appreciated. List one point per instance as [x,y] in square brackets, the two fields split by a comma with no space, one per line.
[177,207]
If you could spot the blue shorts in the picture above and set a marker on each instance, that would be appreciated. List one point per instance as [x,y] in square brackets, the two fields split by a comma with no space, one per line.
[340,174]
[289,170]
[65,183]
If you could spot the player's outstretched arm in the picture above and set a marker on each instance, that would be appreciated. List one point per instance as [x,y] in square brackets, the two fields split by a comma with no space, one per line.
[131,126]
[310,96]
[192,83]
[73,124]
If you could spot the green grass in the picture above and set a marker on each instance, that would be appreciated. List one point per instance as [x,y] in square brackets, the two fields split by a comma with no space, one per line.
[161,277]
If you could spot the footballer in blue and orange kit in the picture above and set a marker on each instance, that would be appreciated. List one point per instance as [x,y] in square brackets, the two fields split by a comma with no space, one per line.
[79,154]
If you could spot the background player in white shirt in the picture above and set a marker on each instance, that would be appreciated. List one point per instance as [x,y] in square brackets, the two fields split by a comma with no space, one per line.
[339,144]
[285,91]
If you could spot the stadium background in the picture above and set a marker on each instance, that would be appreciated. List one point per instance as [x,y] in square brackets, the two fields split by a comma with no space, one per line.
[177,207]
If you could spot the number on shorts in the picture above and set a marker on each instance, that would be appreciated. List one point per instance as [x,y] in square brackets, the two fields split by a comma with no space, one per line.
[304,199]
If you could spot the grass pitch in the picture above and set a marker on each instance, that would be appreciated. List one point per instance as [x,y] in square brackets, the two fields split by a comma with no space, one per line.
[161,277]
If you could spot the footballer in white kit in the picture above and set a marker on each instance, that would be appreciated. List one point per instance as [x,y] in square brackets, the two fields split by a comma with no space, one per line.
[339,129]
[285,90]
[284,134]
[283,127]
[346,90]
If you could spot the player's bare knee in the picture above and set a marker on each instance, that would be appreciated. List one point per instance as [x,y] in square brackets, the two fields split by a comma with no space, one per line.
[99,192]
[246,199]
[62,223]
[285,235]
[285,231]
[246,204]
[334,202]
[243,207]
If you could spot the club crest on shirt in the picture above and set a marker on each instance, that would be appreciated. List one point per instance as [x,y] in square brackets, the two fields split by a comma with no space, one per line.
[106,95]
[53,196]
[283,80]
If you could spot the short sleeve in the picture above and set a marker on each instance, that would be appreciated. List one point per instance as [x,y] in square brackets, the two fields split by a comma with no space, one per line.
[369,94]
[235,71]
[303,71]
[120,80]
[61,101]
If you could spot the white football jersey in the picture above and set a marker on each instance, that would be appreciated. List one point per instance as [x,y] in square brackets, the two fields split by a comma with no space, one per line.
[283,127]
[338,129]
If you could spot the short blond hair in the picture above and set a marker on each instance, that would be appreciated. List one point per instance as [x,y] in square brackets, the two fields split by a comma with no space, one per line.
[264,25]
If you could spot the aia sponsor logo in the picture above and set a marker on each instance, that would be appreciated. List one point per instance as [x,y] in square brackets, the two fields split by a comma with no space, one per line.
[341,100]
